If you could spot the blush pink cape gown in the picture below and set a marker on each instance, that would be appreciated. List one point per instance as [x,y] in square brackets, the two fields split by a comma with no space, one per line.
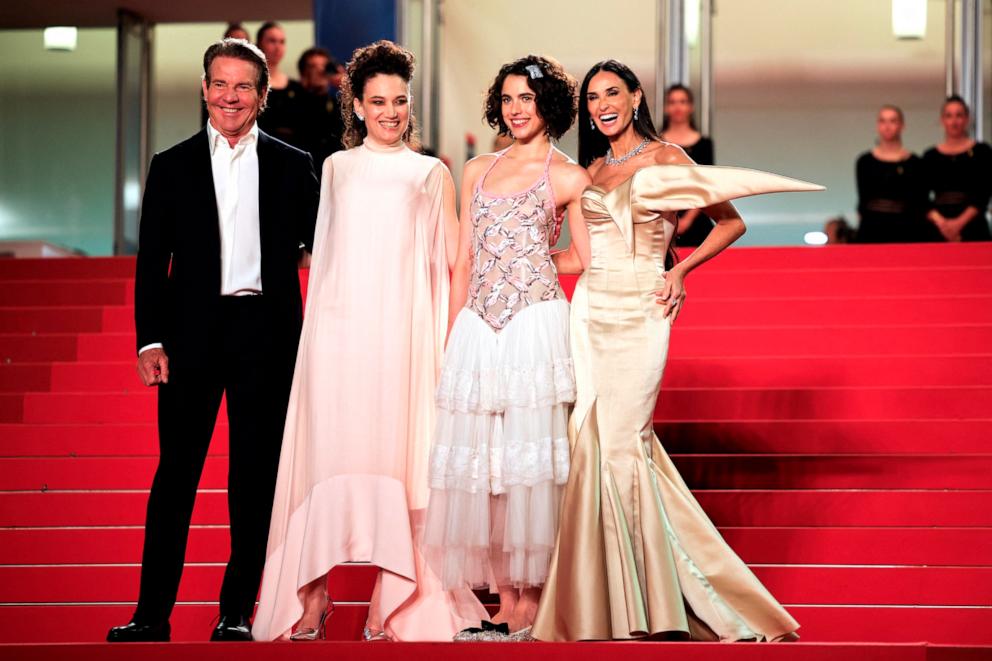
[352,483]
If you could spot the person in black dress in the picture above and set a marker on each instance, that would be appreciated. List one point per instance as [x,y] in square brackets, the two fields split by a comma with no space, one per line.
[958,174]
[892,197]
[282,116]
[679,127]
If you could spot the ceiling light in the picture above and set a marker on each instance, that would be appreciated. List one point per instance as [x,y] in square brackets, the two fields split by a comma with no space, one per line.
[61,38]
[909,19]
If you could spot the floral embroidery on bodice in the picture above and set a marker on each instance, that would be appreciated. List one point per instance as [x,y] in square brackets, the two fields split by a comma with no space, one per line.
[511,250]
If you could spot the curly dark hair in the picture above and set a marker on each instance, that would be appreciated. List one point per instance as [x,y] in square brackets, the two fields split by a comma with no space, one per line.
[381,57]
[553,88]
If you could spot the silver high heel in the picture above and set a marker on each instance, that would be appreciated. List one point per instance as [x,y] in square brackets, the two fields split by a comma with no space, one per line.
[320,633]
[522,636]
[373,637]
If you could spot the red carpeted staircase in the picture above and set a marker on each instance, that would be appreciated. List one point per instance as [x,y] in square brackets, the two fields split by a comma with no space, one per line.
[831,407]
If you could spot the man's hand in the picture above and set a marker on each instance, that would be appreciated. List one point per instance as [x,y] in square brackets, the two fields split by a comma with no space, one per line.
[153,367]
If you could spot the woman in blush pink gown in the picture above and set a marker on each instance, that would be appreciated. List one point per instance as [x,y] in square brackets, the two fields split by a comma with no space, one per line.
[352,483]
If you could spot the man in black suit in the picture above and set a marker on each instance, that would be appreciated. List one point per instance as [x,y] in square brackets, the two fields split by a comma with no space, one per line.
[218,311]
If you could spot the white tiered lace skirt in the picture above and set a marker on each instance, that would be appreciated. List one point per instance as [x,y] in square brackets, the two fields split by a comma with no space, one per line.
[500,455]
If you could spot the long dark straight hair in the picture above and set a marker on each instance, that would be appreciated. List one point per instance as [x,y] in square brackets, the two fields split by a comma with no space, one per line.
[592,143]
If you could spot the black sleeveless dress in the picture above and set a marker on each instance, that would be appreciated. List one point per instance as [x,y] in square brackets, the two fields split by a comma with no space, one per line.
[702,153]
[892,201]
[959,181]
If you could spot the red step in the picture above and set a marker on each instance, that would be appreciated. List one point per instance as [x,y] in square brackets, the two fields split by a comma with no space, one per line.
[73,293]
[970,402]
[699,312]
[634,651]
[829,508]
[862,546]
[929,586]
[724,437]
[69,377]
[827,341]
[779,371]
[723,341]
[796,545]
[100,268]
[844,308]
[116,583]
[806,403]
[724,283]
[193,622]
[699,472]
[841,257]
[141,439]
[26,377]
[78,473]
[51,320]
[28,348]
[720,372]
[838,507]
[798,283]
[135,406]
[106,508]
[734,471]
[827,436]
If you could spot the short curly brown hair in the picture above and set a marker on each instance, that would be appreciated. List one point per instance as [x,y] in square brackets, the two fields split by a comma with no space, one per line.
[381,57]
[553,88]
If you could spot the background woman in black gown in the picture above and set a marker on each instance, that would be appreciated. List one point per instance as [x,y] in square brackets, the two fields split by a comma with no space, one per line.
[679,127]
[282,116]
[959,175]
[892,196]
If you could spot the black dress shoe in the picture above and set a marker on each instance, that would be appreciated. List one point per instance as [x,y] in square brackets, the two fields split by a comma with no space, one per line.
[232,627]
[133,632]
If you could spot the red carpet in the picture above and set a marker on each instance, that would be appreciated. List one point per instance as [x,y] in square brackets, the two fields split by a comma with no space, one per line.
[832,409]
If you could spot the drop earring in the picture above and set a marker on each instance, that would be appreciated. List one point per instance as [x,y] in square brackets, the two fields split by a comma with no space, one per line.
[592,124]
[360,117]
[635,114]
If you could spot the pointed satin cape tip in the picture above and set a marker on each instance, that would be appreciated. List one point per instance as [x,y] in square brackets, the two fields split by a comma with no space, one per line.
[659,188]
[680,187]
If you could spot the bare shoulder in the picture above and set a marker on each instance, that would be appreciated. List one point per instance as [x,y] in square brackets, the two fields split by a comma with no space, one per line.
[671,154]
[474,167]
[568,172]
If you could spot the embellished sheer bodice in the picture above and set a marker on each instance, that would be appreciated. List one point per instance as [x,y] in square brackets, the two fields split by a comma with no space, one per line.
[511,249]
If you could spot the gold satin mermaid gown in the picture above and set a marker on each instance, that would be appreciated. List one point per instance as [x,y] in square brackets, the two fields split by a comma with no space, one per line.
[636,555]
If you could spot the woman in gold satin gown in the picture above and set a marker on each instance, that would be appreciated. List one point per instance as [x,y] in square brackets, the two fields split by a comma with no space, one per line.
[636,556]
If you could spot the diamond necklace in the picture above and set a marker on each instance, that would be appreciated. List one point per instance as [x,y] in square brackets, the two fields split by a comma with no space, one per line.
[629,155]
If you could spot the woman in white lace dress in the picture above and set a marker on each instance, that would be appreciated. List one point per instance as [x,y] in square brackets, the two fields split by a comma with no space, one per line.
[500,453]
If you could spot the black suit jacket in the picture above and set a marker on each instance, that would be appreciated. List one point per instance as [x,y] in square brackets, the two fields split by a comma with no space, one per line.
[177,283]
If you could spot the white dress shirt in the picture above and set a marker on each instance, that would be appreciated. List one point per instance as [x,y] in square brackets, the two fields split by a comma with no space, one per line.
[235,171]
